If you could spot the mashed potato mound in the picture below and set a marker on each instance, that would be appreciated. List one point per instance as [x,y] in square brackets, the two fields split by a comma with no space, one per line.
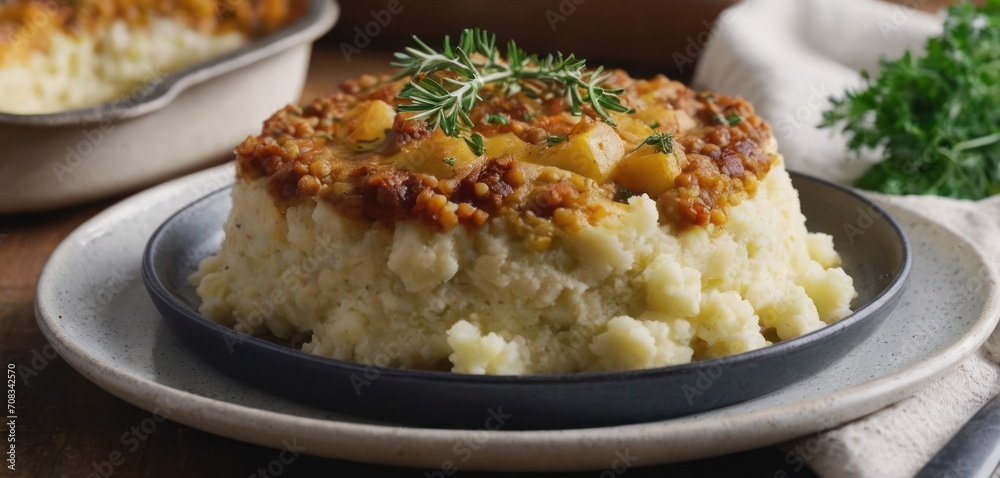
[567,243]
[81,71]
[626,292]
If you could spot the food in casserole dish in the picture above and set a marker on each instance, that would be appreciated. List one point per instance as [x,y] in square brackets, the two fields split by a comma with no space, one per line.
[637,224]
[58,55]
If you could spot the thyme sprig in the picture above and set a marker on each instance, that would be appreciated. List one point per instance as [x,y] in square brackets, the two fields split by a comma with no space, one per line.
[554,140]
[445,83]
[663,142]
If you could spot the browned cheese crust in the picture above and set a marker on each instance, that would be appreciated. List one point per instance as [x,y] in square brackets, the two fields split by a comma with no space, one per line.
[403,170]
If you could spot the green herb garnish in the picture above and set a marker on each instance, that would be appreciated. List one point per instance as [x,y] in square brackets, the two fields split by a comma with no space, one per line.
[554,140]
[445,83]
[449,161]
[475,143]
[654,125]
[623,195]
[498,118]
[663,142]
[936,116]
[732,120]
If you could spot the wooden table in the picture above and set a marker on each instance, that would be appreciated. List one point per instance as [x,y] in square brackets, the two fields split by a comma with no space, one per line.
[68,427]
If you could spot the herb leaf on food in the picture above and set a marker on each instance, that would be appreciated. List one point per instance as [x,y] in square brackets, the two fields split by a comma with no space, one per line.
[445,83]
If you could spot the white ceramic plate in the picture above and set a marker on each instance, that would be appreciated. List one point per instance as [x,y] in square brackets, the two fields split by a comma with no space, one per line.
[94,310]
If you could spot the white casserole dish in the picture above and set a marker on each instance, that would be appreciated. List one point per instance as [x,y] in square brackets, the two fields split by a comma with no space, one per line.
[190,119]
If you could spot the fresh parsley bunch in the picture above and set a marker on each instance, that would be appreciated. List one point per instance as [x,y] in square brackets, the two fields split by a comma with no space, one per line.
[937,116]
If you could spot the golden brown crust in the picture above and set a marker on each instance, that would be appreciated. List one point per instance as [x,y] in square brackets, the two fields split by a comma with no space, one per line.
[401,169]
[25,24]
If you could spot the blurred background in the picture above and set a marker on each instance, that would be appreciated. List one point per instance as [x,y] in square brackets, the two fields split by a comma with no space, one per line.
[665,36]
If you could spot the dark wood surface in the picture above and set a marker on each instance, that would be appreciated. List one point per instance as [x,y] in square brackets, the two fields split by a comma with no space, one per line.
[68,427]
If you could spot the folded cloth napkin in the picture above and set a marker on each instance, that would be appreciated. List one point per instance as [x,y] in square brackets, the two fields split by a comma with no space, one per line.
[787,57]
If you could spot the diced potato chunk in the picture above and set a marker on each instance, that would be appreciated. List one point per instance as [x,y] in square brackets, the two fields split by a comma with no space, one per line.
[592,150]
[659,116]
[434,154]
[649,173]
[507,143]
[439,155]
[368,122]
[665,119]
[634,131]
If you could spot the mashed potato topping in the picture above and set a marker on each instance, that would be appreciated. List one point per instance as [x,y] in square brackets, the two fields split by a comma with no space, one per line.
[546,263]
[58,55]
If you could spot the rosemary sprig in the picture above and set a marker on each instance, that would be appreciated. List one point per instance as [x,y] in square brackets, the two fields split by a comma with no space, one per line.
[445,83]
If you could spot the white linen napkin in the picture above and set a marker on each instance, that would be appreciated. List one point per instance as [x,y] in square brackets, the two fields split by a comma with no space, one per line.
[787,57]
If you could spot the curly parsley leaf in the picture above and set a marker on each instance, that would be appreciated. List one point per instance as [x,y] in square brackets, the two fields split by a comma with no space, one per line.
[936,116]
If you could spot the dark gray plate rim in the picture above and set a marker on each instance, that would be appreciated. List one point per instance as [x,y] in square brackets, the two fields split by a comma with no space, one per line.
[156,286]
[318,18]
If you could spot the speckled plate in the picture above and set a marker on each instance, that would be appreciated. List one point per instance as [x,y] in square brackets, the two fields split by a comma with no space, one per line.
[92,306]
